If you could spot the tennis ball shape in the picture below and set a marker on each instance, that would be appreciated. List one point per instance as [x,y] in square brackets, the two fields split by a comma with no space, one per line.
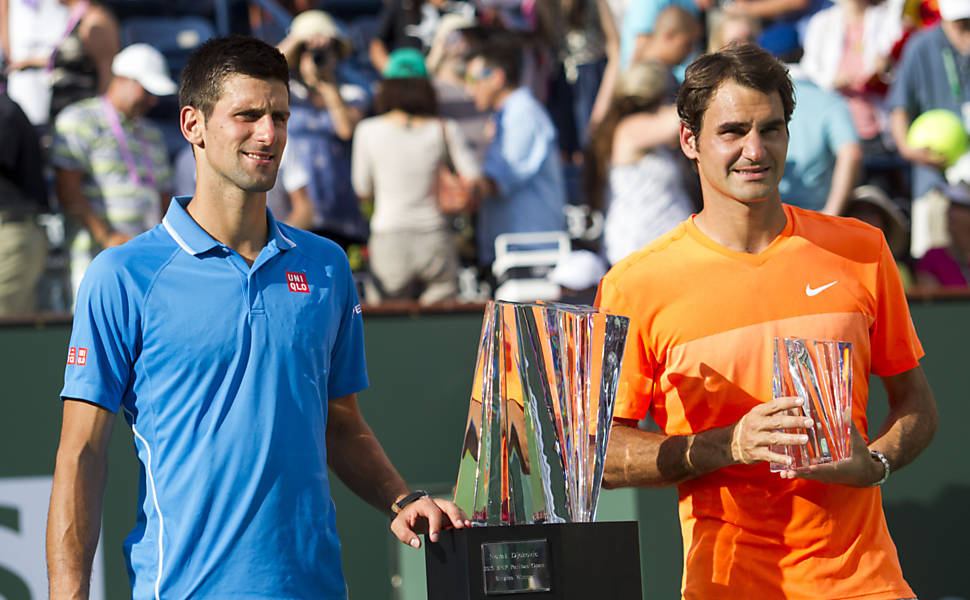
[939,130]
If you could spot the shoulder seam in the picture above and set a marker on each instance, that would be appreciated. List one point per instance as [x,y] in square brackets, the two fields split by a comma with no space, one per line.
[158,271]
[653,247]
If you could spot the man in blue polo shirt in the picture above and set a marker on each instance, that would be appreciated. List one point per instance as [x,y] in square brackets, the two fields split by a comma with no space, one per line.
[233,345]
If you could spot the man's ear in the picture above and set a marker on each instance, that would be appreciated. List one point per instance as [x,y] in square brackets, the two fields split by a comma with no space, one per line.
[192,122]
[688,141]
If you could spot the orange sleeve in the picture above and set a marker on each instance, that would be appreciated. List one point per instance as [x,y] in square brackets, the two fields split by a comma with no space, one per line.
[895,347]
[633,391]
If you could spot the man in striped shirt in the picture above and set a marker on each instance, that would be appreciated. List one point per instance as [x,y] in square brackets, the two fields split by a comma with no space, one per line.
[112,171]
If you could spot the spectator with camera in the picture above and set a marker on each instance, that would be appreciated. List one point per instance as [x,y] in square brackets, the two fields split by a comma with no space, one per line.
[323,114]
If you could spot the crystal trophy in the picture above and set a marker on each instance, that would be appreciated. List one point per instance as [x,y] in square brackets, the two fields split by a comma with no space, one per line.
[820,373]
[532,460]
[540,413]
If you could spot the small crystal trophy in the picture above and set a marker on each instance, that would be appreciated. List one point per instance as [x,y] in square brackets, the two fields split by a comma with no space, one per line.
[820,373]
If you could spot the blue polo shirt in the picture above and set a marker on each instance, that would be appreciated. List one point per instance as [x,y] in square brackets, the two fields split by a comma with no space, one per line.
[224,372]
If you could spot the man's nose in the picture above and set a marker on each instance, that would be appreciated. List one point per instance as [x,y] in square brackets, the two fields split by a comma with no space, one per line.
[266,132]
[754,147]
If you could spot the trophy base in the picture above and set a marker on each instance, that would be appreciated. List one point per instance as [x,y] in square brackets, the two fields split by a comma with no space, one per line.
[566,561]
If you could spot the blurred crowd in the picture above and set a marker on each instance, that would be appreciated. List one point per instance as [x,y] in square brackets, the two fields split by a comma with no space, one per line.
[460,150]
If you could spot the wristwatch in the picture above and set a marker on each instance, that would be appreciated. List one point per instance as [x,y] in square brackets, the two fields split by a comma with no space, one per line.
[877,455]
[400,504]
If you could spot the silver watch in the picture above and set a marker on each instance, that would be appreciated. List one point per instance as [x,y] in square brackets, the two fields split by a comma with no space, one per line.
[877,455]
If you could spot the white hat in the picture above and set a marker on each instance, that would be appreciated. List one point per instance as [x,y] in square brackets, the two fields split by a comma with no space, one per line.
[954,10]
[578,270]
[147,66]
[312,23]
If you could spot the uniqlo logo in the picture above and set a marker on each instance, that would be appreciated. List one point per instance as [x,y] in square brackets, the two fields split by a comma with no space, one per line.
[71,355]
[297,282]
[82,356]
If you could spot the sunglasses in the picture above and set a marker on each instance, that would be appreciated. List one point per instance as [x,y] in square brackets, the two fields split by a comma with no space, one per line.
[485,72]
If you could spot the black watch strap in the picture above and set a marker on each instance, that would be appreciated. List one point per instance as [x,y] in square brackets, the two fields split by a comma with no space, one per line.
[415,495]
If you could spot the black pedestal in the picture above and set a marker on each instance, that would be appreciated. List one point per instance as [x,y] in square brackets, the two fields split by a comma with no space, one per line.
[582,561]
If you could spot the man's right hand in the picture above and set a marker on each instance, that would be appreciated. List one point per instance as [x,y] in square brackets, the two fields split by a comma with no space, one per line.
[649,459]
[761,428]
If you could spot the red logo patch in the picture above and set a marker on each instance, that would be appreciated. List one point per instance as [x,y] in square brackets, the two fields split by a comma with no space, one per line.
[71,354]
[82,356]
[297,282]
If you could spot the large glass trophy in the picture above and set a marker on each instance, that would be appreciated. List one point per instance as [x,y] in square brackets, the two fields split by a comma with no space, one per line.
[532,461]
[820,373]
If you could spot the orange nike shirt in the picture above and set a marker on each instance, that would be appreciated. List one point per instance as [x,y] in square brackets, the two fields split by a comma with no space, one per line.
[699,356]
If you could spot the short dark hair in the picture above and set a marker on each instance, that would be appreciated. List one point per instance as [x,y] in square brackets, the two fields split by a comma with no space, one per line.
[501,52]
[218,58]
[743,63]
[413,95]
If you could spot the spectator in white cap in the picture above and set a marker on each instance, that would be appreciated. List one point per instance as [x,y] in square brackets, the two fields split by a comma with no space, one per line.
[313,190]
[111,167]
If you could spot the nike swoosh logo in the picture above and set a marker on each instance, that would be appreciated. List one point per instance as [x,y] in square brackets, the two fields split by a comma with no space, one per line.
[810,291]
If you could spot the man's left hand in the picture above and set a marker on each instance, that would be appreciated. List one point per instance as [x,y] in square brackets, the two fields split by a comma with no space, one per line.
[427,515]
[858,471]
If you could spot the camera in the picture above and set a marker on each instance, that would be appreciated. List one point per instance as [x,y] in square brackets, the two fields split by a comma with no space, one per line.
[322,56]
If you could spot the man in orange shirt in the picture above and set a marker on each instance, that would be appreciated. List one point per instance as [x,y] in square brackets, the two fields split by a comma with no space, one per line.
[706,302]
